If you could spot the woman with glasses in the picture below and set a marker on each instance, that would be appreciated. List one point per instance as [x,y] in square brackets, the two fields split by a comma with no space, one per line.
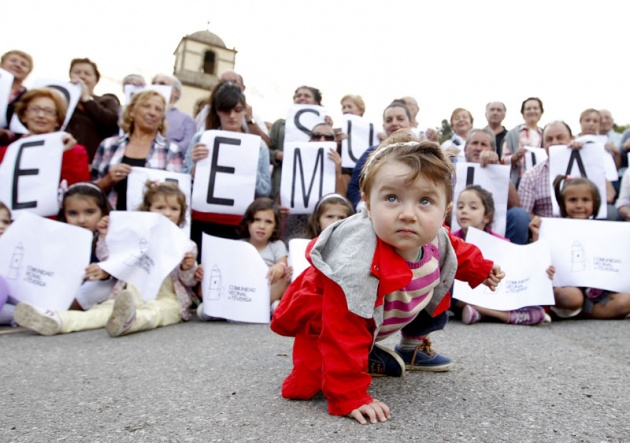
[43,111]
[227,109]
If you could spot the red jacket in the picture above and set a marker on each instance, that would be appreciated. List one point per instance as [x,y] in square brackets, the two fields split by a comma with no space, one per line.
[314,306]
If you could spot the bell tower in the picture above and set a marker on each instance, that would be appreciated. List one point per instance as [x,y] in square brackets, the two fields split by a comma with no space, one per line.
[199,60]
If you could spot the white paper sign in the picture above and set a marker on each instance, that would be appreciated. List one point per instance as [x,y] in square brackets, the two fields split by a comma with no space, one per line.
[610,167]
[493,178]
[534,157]
[44,261]
[297,256]
[526,282]
[361,134]
[30,174]
[164,90]
[234,282]
[589,253]
[71,92]
[307,175]
[301,119]
[586,162]
[138,178]
[6,81]
[225,181]
[144,248]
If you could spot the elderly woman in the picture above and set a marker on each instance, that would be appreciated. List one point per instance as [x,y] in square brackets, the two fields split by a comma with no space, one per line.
[141,145]
[20,65]
[227,108]
[95,118]
[525,134]
[43,111]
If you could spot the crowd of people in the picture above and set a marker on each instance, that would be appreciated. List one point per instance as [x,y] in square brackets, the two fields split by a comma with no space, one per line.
[387,267]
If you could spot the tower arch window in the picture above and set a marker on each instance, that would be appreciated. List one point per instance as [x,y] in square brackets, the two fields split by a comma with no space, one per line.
[209,62]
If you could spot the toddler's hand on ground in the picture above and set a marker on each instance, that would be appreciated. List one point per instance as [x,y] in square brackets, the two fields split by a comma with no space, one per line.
[375,411]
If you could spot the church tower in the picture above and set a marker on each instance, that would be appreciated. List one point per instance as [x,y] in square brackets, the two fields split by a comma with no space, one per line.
[199,60]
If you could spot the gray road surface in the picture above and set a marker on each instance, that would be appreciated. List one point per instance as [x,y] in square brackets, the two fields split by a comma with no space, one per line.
[213,382]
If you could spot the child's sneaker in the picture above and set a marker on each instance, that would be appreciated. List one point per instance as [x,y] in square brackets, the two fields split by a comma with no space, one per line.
[385,362]
[42,321]
[470,315]
[123,315]
[531,315]
[424,358]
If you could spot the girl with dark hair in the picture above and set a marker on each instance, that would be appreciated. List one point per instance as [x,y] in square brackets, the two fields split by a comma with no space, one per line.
[260,226]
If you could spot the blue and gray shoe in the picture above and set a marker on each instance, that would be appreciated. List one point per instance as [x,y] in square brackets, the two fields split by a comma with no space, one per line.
[424,358]
[384,362]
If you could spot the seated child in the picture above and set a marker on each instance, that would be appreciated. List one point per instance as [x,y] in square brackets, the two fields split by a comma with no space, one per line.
[260,226]
[125,312]
[475,207]
[83,205]
[579,198]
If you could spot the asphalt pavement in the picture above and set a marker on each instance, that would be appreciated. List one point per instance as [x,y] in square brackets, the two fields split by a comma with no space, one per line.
[220,382]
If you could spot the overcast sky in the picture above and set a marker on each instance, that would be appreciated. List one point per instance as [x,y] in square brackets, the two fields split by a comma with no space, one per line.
[447,54]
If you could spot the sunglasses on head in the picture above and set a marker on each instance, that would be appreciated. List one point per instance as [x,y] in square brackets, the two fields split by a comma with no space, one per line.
[319,135]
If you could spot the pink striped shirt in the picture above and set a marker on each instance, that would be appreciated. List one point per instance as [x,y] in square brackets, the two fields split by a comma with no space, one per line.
[402,306]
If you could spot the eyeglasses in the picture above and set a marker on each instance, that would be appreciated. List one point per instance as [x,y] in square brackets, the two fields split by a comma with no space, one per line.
[320,135]
[48,112]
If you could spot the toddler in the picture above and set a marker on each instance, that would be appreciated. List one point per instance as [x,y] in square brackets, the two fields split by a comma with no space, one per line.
[371,276]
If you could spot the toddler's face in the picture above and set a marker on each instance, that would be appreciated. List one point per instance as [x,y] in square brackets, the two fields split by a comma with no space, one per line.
[471,211]
[405,215]
[5,220]
[168,206]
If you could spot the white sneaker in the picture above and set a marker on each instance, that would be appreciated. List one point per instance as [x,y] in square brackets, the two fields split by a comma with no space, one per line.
[42,321]
[123,315]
